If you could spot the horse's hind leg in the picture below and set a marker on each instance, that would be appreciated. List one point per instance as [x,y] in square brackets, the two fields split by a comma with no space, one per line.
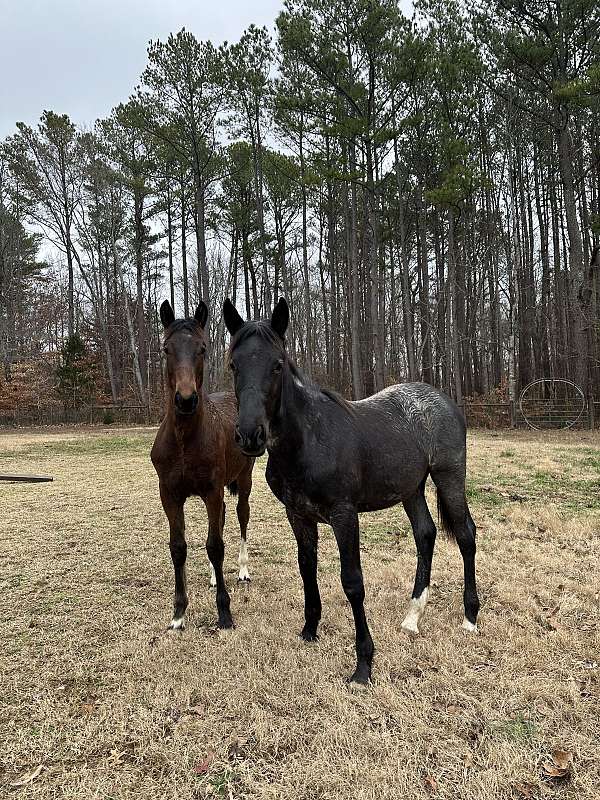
[424,532]
[178,547]
[244,483]
[456,517]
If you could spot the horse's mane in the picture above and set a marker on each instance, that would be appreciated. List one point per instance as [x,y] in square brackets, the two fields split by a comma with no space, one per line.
[192,325]
[259,328]
[264,330]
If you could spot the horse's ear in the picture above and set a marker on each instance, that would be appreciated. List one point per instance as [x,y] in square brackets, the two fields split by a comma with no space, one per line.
[233,321]
[280,317]
[167,317]
[201,314]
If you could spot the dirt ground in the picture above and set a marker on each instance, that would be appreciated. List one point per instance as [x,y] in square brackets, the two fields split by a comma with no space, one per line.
[98,700]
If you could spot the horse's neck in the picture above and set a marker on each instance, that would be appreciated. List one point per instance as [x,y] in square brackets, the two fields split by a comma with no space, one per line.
[295,405]
[187,429]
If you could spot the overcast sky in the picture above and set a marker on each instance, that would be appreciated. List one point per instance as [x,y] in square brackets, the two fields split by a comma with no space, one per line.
[82,57]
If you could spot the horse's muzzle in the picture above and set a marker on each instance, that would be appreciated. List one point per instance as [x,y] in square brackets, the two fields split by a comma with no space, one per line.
[186,405]
[252,444]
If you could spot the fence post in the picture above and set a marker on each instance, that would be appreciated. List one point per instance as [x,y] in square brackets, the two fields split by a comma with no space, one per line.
[513,414]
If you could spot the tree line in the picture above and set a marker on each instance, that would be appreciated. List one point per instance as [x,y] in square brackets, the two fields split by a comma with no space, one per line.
[425,192]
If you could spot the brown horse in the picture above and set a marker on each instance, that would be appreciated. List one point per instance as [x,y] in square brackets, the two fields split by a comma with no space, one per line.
[194,453]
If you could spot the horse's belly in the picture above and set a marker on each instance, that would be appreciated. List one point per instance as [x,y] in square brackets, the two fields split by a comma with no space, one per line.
[380,503]
[375,495]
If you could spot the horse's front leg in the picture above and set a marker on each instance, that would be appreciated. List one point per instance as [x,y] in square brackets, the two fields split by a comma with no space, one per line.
[306,533]
[216,550]
[243,514]
[344,521]
[178,546]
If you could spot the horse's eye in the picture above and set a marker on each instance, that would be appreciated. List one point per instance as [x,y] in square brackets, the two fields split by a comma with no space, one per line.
[203,350]
[278,366]
[232,366]
[166,350]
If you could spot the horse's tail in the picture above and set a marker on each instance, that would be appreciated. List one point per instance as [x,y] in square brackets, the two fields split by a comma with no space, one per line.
[233,488]
[444,517]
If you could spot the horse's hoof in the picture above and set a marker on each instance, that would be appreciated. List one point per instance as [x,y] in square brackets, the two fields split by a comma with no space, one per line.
[226,624]
[308,635]
[243,578]
[470,627]
[361,677]
[177,624]
[410,629]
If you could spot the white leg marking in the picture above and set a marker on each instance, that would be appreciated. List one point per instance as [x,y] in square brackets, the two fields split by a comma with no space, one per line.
[469,626]
[213,577]
[243,562]
[416,609]
[177,624]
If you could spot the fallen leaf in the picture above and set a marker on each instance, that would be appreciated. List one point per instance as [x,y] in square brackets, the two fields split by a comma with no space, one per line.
[88,708]
[468,759]
[552,771]
[525,789]
[197,710]
[28,777]
[430,784]
[116,756]
[560,766]
[203,766]
[562,758]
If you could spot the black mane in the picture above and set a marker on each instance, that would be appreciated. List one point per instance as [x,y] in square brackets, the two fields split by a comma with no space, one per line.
[259,328]
[264,330]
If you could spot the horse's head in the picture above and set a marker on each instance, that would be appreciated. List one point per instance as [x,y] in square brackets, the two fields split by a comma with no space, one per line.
[184,347]
[256,358]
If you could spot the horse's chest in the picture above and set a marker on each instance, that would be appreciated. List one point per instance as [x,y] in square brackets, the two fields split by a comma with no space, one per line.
[186,477]
[296,495]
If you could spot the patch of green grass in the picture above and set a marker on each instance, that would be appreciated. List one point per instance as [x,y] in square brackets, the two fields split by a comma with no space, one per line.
[518,729]
[507,454]
[590,461]
[220,782]
[94,445]
[383,532]
[484,497]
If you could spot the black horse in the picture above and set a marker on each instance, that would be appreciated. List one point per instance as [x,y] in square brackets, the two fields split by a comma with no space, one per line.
[330,459]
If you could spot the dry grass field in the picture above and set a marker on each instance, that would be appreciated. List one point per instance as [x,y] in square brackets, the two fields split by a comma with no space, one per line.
[98,700]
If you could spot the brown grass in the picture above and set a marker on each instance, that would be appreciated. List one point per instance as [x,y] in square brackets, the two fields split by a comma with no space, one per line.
[95,691]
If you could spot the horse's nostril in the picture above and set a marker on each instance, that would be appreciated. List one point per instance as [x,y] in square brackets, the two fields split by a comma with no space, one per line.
[261,436]
[186,405]
[237,435]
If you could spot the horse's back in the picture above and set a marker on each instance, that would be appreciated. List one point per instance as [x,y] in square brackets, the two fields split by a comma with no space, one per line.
[225,405]
[419,412]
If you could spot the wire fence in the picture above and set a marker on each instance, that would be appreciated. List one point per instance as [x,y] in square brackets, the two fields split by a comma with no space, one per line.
[88,415]
[491,415]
